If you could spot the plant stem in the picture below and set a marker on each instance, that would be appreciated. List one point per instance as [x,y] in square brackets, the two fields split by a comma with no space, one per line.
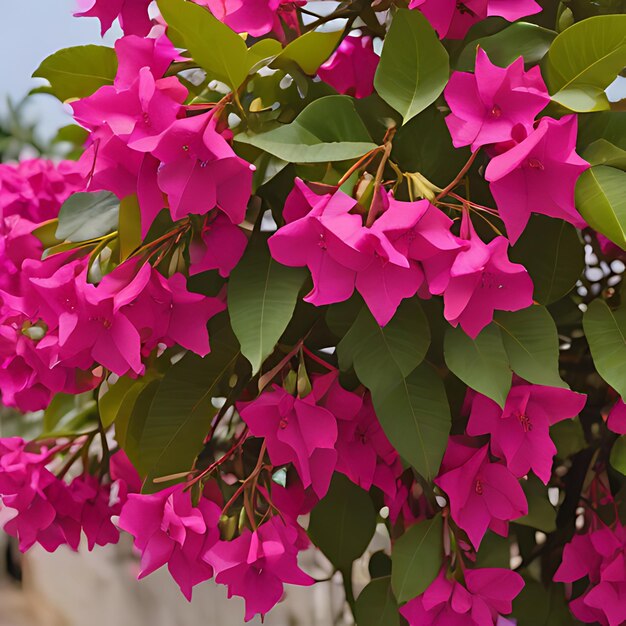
[459,177]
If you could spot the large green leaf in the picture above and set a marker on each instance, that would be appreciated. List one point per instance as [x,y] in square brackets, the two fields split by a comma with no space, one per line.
[329,129]
[603,152]
[584,60]
[79,71]
[601,201]
[381,356]
[343,523]
[309,51]
[541,513]
[606,332]
[553,254]
[376,605]
[212,44]
[85,216]
[517,40]
[262,296]
[618,455]
[537,605]
[415,416]
[481,363]
[414,66]
[416,559]
[166,438]
[531,342]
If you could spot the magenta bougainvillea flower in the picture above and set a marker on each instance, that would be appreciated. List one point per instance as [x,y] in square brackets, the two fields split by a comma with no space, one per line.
[352,67]
[486,595]
[482,494]
[617,418]
[256,565]
[296,431]
[168,529]
[521,432]
[599,556]
[538,175]
[452,19]
[479,281]
[256,17]
[488,105]
[220,246]
[133,14]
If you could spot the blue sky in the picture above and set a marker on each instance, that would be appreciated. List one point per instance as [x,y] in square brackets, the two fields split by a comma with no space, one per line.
[30,30]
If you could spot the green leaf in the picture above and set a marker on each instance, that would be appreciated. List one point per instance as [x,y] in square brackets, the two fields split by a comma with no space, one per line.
[517,40]
[343,523]
[79,71]
[129,226]
[116,401]
[309,51]
[584,60]
[262,296]
[415,416]
[165,438]
[383,355]
[606,333]
[541,513]
[618,455]
[414,66]
[212,44]
[538,606]
[263,52]
[601,201]
[531,342]
[416,559]
[481,363]
[554,256]
[376,605]
[495,551]
[329,129]
[603,152]
[86,216]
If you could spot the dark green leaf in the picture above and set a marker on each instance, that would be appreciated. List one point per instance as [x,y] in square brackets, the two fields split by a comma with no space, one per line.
[495,551]
[414,66]
[262,296]
[606,332]
[212,44]
[541,513]
[168,435]
[79,71]
[584,60]
[618,455]
[376,605]
[416,559]
[383,355]
[481,363]
[601,201]
[531,342]
[329,129]
[415,416]
[86,216]
[538,606]
[343,523]
[517,40]
[554,256]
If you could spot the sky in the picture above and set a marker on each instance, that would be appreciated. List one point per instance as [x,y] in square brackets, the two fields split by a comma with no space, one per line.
[31,30]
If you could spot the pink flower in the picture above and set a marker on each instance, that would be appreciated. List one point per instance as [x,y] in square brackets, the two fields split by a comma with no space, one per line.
[617,418]
[97,503]
[37,507]
[352,67]
[486,595]
[318,240]
[452,19]
[296,431]
[220,247]
[133,14]
[199,171]
[538,175]
[488,105]
[256,564]
[482,494]
[480,281]
[168,529]
[599,556]
[521,432]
